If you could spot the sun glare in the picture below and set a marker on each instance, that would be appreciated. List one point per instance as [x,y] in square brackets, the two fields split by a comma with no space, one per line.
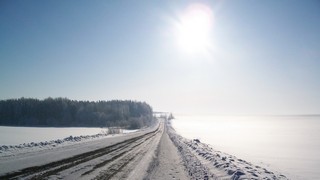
[193,29]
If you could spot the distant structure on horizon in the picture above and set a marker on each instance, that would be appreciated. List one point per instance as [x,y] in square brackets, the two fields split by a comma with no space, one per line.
[167,115]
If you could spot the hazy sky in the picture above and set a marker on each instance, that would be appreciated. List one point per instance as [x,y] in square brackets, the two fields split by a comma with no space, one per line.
[261,57]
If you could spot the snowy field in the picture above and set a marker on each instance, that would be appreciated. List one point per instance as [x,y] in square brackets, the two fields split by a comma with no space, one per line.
[289,144]
[17,158]
[15,140]
[20,135]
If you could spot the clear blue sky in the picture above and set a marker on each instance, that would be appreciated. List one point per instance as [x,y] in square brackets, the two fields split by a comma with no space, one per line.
[265,56]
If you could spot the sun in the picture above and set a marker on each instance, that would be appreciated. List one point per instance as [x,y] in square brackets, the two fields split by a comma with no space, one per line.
[193,29]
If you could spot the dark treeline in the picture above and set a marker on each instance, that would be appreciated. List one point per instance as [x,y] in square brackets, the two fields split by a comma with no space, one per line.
[62,112]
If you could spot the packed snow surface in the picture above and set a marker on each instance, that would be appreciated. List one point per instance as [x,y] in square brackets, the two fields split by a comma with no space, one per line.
[17,157]
[288,144]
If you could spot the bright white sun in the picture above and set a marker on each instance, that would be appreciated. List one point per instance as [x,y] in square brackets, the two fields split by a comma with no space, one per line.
[193,29]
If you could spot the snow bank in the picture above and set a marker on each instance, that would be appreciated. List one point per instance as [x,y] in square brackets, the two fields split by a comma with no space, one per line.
[33,145]
[203,162]
[10,149]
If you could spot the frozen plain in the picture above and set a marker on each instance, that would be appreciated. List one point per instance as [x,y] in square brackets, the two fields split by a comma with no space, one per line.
[154,153]
[289,144]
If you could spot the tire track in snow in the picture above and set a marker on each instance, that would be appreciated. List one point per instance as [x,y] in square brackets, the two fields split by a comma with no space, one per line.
[44,171]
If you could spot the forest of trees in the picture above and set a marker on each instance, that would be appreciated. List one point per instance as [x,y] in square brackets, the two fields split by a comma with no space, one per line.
[62,112]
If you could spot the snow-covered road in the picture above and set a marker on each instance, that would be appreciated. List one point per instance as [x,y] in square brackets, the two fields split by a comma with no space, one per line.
[157,152]
[97,159]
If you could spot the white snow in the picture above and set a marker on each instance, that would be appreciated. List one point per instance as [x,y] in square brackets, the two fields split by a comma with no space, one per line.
[14,140]
[19,135]
[289,144]
[18,158]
